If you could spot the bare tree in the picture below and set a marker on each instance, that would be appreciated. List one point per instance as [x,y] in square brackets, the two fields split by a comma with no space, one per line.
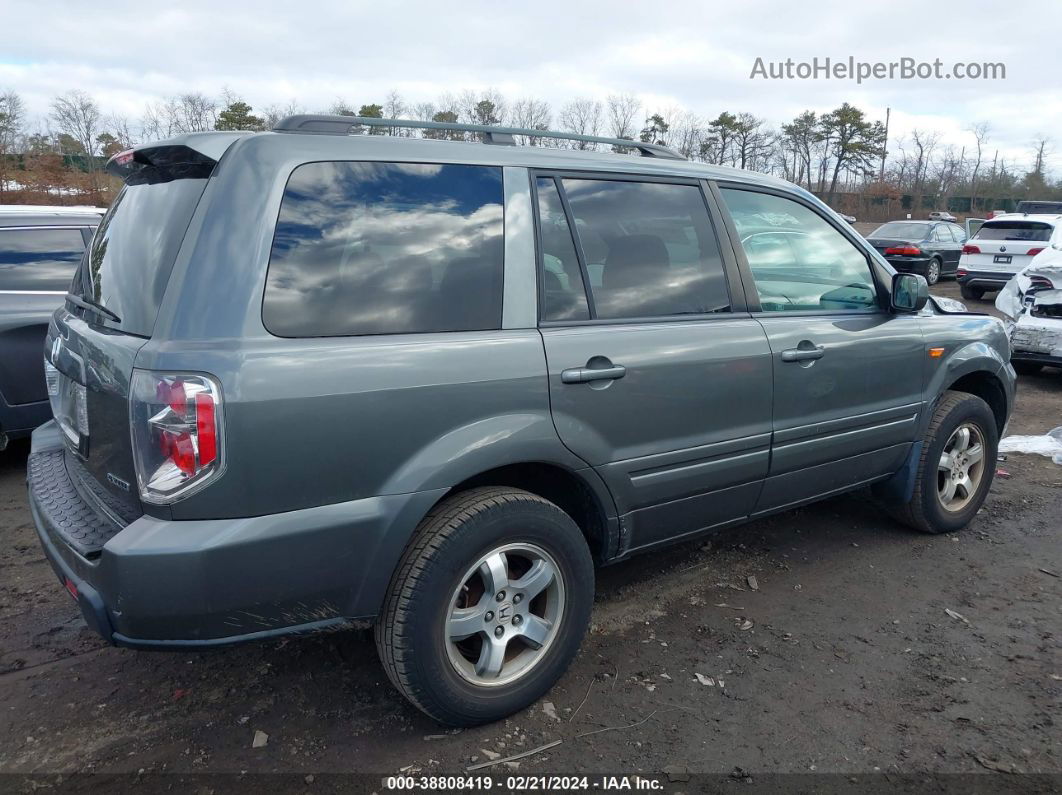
[273,114]
[12,117]
[395,108]
[76,114]
[980,134]
[622,111]
[531,114]
[582,117]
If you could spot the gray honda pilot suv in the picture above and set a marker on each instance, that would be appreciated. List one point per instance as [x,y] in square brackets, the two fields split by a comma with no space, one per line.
[306,379]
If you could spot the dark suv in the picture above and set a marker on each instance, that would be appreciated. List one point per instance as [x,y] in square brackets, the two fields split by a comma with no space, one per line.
[39,249]
[307,379]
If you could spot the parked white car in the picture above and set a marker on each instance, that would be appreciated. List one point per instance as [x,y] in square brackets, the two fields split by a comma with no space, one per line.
[941,216]
[1032,305]
[1003,246]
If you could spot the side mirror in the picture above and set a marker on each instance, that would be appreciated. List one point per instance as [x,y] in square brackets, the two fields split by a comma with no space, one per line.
[910,292]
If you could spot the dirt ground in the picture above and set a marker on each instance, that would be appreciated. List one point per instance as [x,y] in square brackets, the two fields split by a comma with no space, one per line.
[843,659]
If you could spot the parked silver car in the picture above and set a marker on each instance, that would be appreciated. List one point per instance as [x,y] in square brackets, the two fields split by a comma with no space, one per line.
[39,248]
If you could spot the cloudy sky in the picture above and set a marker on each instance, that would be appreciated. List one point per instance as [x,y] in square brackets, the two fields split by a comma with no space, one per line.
[684,53]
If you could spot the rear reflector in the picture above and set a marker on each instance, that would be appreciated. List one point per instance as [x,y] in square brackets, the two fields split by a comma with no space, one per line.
[70,587]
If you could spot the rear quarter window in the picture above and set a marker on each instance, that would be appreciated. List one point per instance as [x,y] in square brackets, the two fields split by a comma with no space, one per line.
[386,248]
[39,260]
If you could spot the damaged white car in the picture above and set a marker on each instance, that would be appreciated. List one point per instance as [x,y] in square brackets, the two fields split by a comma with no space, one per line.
[1032,305]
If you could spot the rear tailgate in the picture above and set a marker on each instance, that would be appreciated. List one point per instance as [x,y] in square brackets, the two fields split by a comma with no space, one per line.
[110,314]
[1005,246]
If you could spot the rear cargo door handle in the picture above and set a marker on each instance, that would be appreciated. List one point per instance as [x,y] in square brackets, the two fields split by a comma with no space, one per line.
[803,354]
[584,375]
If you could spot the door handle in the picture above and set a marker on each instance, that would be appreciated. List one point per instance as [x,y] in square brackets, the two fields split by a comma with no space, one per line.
[803,354]
[584,375]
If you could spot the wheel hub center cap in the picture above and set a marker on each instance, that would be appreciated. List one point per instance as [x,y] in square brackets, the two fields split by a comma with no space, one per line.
[505,612]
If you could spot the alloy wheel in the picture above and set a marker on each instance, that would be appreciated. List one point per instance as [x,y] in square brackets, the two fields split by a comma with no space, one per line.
[504,614]
[961,467]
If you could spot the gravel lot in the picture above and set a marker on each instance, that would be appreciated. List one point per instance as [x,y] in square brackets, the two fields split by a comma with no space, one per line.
[842,660]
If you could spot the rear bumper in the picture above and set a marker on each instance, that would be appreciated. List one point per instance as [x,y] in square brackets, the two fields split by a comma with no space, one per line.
[1047,359]
[919,265]
[989,280]
[180,584]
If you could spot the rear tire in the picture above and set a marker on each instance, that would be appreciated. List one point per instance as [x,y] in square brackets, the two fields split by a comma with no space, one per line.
[930,508]
[933,271]
[1027,368]
[973,293]
[511,570]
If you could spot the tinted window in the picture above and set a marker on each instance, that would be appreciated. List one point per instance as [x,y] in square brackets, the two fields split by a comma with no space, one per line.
[798,260]
[386,248]
[39,259]
[901,231]
[563,294]
[1014,230]
[134,248]
[649,249]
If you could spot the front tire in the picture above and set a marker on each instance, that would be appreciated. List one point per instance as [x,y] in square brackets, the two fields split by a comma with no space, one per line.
[972,293]
[488,606]
[956,468]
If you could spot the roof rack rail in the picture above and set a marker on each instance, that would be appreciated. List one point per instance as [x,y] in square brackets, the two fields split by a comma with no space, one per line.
[324,124]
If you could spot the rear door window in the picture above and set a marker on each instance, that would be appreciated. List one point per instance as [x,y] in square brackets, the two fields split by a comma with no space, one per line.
[648,250]
[386,248]
[39,260]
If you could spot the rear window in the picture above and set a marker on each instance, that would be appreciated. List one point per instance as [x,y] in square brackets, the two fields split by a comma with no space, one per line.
[1032,231]
[386,248]
[901,231]
[39,260]
[133,250]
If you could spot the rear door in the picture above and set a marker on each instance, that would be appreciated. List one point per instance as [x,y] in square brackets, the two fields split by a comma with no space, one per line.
[847,371]
[658,376]
[36,265]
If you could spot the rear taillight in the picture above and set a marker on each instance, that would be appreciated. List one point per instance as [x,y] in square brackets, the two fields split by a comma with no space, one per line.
[1040,283]
[961,272]
[176,425]
[903,251]
[1032,252]
[968,249]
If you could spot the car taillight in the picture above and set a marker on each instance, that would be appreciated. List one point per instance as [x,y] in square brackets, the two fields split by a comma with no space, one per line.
[176,428]
[968,249]
[1040,283]
[1032,252]
[961,272]
[903,251]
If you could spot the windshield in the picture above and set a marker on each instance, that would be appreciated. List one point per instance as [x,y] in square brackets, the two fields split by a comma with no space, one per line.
[132,252]
[1032,231]
[901,231]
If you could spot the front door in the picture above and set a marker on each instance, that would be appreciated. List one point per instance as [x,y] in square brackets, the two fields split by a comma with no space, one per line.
[847,371]
[658,378]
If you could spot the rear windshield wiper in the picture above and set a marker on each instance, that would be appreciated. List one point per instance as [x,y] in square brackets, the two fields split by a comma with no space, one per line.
[85,303]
